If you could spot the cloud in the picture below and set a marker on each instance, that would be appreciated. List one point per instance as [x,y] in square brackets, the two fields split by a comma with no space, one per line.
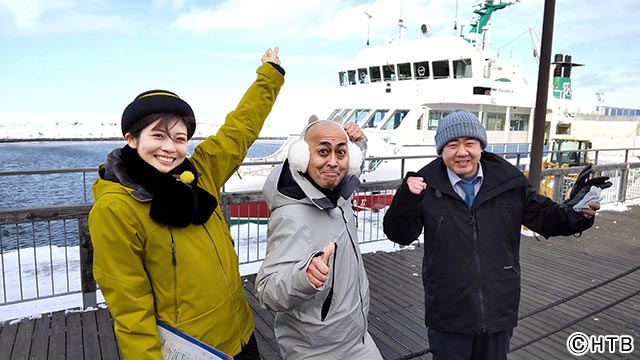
[291,59]
[42,17]
[230,15]
[25,14]
[330,20]
[171,4]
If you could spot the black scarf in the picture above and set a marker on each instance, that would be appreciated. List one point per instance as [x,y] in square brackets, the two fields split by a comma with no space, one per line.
[174,202]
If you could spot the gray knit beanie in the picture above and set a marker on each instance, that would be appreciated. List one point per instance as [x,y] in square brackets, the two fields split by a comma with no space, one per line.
[459,123]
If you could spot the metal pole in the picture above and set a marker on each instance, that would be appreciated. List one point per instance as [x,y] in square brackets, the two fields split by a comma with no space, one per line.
[540,113]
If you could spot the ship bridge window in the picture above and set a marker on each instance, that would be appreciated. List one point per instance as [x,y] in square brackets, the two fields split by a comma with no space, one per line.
[389,72]
[421,70]
[441,69]
[495,121]
[342,78]
[375,119]
[519,122]
[404,71]
[352,77]
[462,68]
[358,116]
[395,120]
[375,74]
[434,117]
[363,76]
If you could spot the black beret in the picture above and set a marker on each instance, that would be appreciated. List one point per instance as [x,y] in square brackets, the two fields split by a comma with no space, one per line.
[153,102]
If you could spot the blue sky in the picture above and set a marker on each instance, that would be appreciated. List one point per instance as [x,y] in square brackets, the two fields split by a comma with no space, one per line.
[93,57]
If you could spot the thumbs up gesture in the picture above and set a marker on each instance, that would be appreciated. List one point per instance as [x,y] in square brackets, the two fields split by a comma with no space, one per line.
[319,266]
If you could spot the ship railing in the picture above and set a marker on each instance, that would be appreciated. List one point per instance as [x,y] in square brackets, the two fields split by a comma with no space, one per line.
[46,252]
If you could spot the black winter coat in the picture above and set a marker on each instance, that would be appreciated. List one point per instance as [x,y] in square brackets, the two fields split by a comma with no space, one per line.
[471,265]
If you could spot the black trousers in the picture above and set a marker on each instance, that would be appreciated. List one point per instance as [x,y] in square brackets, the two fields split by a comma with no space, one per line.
[249,351]
[458,346]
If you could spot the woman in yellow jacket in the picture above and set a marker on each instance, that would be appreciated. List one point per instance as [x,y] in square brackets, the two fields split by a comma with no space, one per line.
[162,249]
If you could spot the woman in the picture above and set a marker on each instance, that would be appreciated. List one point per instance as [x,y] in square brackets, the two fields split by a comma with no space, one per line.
[162,249]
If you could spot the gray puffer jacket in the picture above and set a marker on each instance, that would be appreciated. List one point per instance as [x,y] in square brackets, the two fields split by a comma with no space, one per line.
[309,323]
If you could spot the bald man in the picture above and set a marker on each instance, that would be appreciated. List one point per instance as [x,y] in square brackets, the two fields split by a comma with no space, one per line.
[313,276]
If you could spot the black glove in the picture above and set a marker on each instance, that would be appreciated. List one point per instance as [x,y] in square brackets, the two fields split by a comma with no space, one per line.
[582,186]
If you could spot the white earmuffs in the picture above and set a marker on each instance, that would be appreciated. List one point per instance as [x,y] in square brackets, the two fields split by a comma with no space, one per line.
[299,154]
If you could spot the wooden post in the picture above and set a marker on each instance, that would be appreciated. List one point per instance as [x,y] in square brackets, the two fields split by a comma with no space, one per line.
[540,114]
[88,283]
[225,206]
[558,188]
[624,181]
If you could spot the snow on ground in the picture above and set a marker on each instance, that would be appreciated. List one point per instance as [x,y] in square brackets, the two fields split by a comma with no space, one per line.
[48,271]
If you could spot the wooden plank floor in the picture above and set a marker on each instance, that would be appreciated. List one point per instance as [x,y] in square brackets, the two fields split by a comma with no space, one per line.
[588,284]
[67,334]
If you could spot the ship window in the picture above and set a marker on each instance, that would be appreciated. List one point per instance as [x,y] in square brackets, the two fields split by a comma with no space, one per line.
[395,120]
[375,120]
[352,77]
[358,116]
[421,70]
[333,114]
[462,68]
[404,71]
[363,76]
[374,73]
[342,78]
[495,121]
[434,117]
[389,72]
[441,69]
[481,90]
[519,122]
[344,113]
[420,123]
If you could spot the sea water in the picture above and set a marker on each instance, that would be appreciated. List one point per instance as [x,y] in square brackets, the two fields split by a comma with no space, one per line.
[26,191]
[19,191]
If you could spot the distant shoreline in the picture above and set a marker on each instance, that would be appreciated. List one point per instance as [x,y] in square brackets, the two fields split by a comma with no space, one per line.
[107,139]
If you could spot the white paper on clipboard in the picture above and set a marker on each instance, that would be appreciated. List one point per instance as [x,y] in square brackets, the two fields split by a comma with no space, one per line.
[176,345]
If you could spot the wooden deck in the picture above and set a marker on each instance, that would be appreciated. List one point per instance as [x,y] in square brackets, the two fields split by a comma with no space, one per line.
[589,284]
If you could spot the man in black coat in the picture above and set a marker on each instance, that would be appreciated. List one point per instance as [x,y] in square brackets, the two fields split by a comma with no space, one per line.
[471,205]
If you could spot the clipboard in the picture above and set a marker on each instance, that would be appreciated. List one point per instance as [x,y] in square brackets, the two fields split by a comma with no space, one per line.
[176,345]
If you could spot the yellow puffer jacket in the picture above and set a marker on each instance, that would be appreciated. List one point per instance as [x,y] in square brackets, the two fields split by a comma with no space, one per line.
[187,277]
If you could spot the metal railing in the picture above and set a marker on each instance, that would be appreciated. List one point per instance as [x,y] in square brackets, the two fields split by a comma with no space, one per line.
[46,251]
[56,181]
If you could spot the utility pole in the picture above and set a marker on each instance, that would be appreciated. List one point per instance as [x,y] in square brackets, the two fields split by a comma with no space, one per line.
[540,112]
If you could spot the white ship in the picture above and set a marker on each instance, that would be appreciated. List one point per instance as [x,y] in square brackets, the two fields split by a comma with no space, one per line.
[398,91]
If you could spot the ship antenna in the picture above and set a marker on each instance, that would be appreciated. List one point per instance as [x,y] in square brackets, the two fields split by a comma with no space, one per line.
[368,26]
[455,20]
[401,25]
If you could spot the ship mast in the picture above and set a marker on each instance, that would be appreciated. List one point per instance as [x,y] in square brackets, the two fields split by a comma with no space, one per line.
[483,13]
[402,35]
[368,26]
